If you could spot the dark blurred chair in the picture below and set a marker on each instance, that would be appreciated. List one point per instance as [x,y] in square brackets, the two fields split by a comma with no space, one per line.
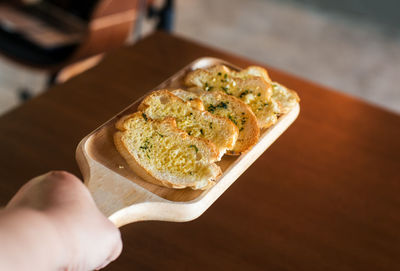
[106,25]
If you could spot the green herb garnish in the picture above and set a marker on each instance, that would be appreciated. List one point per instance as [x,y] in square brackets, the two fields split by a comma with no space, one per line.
[225,89]
[232,119]
[244,93]
[146,145]
[194,147]
[222,105]
[207,86]
[211,108]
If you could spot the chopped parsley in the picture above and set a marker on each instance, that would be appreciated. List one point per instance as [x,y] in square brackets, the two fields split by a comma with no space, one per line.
[264,104]
[207,86]
[146,145]
[160,134]
[225,89]
[201,131]
[244,93]
[210,125]
[225,75]
[211,108]
[144,116]
[232,119]
[194,147]
[219,73]
[222,105]
[259,94]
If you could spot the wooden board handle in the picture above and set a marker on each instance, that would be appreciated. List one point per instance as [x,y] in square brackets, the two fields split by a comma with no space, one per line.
[121,200]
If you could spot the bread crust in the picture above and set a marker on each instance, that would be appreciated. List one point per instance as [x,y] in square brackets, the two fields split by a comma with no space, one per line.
[229,141]
[248,137]
[242,84]
[136,167]
[148,175]
[284,97]
[277,101]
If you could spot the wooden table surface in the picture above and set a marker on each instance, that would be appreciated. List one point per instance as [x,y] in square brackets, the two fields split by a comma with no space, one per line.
[324,196]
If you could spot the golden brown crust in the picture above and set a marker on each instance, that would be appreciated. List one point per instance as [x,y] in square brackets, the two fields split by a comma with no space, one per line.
[136,167]
[251,89]
[229,126]
[146,174]
[248,136]
[248,139]
[284,97]
[277,101]
[280,101]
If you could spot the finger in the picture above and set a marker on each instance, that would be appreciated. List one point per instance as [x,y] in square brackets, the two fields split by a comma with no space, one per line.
[102,265]
[37,192]
[18,198]
[113,256]
[117,250]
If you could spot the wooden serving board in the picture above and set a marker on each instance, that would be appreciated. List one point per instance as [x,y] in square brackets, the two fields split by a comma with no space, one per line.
[124,197]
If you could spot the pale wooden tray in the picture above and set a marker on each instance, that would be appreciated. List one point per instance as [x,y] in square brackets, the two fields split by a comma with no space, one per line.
[124,197]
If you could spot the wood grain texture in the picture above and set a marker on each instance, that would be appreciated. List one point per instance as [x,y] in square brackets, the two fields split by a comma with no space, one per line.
[325,196]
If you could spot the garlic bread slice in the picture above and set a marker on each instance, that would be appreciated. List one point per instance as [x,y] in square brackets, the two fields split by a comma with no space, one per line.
[284,97]
[198,123]
[162,154]
[228,106]
[252,90]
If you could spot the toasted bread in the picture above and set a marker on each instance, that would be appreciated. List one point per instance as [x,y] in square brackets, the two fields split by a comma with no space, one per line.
[252,71]
[223,105]
[284,97]
[162,154]
[199,123]
[253,90]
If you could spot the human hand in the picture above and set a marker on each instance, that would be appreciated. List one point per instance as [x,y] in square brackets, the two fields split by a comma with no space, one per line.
[88,239]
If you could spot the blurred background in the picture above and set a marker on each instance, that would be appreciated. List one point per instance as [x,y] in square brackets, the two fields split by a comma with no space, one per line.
[352,46]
